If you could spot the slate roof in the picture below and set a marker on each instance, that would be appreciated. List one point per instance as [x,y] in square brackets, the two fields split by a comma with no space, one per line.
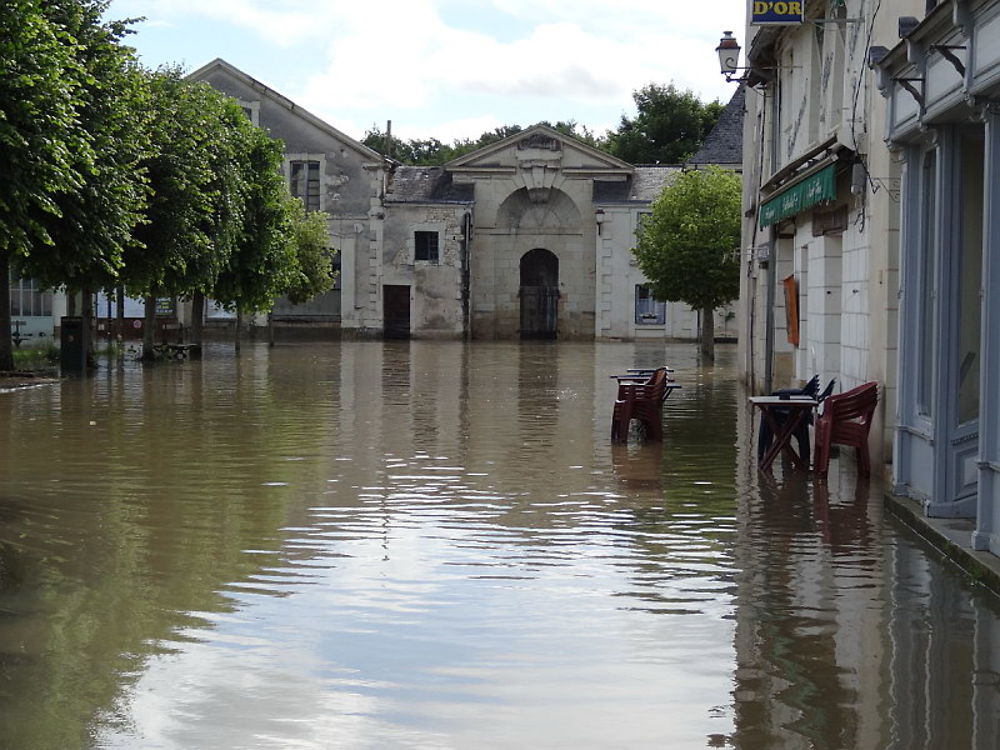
[426,185]
[643,186]
[724,145]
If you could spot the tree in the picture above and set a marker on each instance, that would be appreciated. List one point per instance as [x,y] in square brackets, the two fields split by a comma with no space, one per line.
[668,129]
[196,173]
[39,97]
[263,263]
[686,247]
[314,273]
[95,220]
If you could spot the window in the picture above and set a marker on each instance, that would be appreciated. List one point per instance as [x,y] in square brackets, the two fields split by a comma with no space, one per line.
[648,312]
[26,298]
[425,246]
[251,110]
[304,182]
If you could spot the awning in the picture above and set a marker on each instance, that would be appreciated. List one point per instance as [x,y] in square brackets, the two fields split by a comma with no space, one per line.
[802,194]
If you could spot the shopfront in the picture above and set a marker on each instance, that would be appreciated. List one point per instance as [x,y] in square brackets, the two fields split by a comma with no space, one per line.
[942,84]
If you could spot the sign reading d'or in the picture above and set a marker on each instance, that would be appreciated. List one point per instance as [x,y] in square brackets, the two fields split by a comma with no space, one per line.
[776,12]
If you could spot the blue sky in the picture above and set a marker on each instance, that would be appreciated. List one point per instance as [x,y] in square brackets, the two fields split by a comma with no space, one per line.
[448,68]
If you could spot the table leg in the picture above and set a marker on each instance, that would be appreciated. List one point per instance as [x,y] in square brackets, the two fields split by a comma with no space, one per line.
[783,437]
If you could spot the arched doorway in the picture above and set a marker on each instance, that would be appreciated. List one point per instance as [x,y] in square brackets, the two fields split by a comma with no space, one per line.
[539,294]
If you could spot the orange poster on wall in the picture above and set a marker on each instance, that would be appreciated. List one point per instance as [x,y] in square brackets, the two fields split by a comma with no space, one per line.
[792,309]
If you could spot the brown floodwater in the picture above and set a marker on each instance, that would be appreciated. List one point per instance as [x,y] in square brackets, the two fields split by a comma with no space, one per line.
[434,545]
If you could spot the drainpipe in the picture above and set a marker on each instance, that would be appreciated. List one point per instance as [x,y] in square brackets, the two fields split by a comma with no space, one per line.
[466,275]
[772,261]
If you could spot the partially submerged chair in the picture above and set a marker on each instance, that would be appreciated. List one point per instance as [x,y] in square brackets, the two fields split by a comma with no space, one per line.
[764,436]
[642,401]
[846,420]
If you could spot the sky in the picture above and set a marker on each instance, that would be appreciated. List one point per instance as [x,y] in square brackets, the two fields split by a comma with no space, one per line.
[448,69]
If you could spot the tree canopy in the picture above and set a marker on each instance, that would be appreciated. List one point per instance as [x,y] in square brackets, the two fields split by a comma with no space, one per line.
[69,143]
[668,129]
[687,246]
[314,273]
[119,177]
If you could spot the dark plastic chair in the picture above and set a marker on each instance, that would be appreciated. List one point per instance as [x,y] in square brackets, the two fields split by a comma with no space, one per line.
[802,432]
[642,401]
[846,420]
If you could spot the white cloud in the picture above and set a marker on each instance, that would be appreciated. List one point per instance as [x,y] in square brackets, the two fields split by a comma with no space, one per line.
[406,59]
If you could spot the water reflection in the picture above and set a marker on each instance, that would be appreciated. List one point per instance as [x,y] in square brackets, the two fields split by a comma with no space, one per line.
[417,544]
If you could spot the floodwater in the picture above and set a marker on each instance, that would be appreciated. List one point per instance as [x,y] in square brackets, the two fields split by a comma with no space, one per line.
[434,545]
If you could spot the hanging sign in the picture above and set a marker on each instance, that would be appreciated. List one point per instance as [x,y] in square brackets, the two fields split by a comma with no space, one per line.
[817,188]
[776,12]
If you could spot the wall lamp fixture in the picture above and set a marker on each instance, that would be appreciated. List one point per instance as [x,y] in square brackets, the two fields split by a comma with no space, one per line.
[729,57]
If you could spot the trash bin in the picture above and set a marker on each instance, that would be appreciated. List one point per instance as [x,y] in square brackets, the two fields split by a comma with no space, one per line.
[71,344]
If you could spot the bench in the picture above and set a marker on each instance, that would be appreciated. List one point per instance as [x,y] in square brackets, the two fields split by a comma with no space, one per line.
[176,351]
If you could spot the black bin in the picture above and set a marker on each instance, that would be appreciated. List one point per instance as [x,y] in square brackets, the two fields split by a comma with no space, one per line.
[71,344]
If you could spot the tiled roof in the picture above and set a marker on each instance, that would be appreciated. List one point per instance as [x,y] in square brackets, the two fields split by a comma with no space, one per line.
[425,185]
[724,145]
[644,185]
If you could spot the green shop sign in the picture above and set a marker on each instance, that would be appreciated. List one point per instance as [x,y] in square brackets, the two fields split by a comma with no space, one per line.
[814,189]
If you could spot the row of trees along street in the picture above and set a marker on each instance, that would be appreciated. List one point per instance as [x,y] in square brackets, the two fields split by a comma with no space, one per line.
[140,182]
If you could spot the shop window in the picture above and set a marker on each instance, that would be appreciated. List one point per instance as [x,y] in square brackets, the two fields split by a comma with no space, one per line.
[425,246]
[648,311]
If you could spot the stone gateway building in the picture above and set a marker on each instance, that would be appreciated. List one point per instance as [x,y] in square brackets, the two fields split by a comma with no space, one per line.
[530,237]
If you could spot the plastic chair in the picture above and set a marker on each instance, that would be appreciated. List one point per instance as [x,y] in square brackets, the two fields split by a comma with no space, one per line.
[846,420]
[641,401]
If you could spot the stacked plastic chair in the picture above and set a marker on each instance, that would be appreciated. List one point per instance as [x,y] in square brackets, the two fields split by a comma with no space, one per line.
[642,401]
[846,420]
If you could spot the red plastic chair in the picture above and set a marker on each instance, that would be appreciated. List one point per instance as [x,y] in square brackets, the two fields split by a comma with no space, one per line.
[846,420]
[642,401]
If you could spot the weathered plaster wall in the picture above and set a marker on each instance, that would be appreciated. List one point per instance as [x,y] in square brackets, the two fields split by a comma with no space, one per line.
[436,288]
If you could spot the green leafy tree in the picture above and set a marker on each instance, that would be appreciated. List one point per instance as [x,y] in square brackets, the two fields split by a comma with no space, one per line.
[686,247]
[314,273]
[39,136]
[668,129]
[263,263]
[95,220]
[195,167]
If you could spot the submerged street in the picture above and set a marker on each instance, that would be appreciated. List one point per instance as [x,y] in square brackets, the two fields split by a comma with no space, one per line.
[436,545]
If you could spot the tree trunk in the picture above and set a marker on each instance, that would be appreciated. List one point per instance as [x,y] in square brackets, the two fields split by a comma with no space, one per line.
[120,313]
[6,345]
[708,334]
[149,329]
[197,317]
[270,330]
[239,325]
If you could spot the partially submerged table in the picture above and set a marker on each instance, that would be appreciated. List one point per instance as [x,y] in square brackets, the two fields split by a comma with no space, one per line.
[795,410]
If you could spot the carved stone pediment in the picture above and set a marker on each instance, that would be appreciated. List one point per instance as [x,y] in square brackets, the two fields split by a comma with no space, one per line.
[539,141]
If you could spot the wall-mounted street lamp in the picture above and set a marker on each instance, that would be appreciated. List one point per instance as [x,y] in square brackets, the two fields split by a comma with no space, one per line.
[599,219]
[729,57]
